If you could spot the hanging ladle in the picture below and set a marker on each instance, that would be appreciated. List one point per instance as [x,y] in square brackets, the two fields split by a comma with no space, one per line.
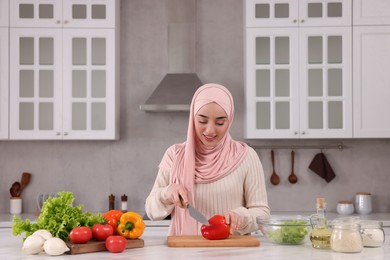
[292,178]
[274,177]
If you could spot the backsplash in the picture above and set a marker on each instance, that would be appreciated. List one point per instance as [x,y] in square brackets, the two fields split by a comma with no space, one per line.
[93,170]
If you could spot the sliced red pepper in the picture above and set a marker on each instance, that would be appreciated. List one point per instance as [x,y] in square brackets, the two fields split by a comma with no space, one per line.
[217,228]
[112,218]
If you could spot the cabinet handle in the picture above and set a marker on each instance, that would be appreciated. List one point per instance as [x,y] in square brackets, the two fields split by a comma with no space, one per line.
[296,132]
[58,133]
[66,22]
[66,133]
[303,20]
[295,21]
[58,22]
[303,133]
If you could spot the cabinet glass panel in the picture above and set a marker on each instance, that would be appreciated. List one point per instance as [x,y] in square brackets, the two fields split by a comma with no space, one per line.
[263,115]
[282,50]
[26,51]
[79,116]
[46,83]
[263,50]
[315,50]
[314,10]
[79,51]
[282,83]
[263,83]
[26,83]
[335,112]
[262,11]
[79,83]
[46,115]
[282,11]
[335,49]
[26,11]
[46,11]
[282,115]
[315,88]
[98,12]
[79,11]
[26,116]
[335,82]
[46,51]
[98,51]
[316,115]
[98,114]
[98,84]
[335,9]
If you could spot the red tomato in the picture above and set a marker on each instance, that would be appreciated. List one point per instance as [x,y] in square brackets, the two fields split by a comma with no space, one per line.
[101,232]
[116,244]
[80,235]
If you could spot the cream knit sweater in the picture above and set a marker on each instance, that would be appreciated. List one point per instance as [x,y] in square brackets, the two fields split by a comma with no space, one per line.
[242,191]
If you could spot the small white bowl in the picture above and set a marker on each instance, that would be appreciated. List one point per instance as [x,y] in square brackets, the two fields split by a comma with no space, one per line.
[345,207]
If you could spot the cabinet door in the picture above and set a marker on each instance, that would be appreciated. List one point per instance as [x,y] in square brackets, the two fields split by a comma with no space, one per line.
[371,81]
[371,12]
[90,13]
[4,52]
[325,12]
[33,13]
[35,83]
[272,89]
[325,79]
[89,84]
[266,13]
[4,13]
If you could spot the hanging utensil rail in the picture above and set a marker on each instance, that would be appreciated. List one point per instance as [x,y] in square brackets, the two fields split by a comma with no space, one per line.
[340,147]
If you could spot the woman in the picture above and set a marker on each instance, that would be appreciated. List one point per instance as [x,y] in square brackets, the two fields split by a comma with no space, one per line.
[210,171]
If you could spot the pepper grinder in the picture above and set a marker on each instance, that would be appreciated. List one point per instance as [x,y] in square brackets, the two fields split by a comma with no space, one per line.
[111,202]
[124,203]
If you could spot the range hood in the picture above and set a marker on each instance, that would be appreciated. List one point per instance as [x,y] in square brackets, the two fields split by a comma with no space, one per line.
[175,91]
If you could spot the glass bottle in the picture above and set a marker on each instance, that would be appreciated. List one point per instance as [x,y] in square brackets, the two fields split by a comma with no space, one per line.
[320,235]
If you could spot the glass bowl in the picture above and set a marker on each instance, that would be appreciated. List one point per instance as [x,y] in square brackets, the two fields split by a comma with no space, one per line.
[286,230]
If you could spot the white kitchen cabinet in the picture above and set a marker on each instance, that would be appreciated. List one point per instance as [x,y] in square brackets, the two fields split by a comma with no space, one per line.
[298,81]
[371,81]
[64,81]
[305,13]
[4,13]
[371,12]
[63,13]
[4,56]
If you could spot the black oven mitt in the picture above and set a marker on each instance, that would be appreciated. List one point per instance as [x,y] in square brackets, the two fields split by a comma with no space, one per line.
[322,168]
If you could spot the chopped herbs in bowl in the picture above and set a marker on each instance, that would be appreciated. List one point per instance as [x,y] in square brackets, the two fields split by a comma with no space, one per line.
[286,230]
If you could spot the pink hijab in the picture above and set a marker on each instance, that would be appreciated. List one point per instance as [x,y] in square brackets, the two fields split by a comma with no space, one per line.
[191,162]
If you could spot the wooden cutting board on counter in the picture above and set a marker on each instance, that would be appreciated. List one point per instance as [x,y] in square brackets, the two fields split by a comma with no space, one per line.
[199,241]
[97,246]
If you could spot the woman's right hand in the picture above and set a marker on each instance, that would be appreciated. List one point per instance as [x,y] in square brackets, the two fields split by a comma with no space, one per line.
[174,191]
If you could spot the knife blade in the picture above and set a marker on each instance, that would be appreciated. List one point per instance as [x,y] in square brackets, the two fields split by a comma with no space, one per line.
[194,213]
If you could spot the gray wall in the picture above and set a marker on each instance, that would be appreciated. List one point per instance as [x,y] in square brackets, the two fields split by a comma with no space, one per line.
[94,169]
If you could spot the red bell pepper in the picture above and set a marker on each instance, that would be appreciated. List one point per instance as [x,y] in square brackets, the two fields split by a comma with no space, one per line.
[112,218]
[217,228]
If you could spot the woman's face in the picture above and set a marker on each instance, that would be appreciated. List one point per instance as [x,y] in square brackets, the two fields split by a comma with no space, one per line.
[211,124]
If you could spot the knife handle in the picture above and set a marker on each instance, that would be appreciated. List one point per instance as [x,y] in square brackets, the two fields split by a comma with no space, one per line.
[182,202]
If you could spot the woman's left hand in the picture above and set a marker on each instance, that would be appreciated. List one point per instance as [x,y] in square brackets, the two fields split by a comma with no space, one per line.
[232,219]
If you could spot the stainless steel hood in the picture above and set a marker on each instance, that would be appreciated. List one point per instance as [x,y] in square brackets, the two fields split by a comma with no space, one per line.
[174,92]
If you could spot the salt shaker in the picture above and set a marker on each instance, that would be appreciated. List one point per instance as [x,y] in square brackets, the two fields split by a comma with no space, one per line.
[124,203]
[363,203]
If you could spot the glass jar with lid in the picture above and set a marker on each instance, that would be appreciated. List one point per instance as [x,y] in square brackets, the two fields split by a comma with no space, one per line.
[346,236]
[372,233]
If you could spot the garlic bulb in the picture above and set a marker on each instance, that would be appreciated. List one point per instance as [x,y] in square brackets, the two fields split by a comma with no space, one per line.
[33,244]
[43,233]
[55,246]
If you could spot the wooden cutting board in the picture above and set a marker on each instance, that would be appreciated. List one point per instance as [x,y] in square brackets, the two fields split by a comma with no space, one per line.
[97,246]
[199,241]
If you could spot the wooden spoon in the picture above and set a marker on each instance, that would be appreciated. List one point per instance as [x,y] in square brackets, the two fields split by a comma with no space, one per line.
[292,178]
[274,177]
[25,180]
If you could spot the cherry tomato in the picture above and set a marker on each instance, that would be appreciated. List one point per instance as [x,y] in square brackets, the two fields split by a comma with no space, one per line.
[101,232]
[80,235]
[116,244]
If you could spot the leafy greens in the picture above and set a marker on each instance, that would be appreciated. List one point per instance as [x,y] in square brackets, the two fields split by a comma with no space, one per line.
[291,232]
[57,216]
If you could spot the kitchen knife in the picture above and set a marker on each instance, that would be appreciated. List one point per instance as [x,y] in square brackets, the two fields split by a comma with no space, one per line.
[194,212]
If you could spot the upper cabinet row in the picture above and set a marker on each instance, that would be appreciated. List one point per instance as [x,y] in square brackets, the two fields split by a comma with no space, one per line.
[63,80]
[305,78]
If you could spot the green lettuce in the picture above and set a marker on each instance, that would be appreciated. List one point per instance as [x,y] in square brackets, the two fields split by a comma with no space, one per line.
[292,232]
[57,216]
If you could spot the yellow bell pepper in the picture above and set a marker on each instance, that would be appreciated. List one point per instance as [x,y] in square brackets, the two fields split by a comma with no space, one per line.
[131,225]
